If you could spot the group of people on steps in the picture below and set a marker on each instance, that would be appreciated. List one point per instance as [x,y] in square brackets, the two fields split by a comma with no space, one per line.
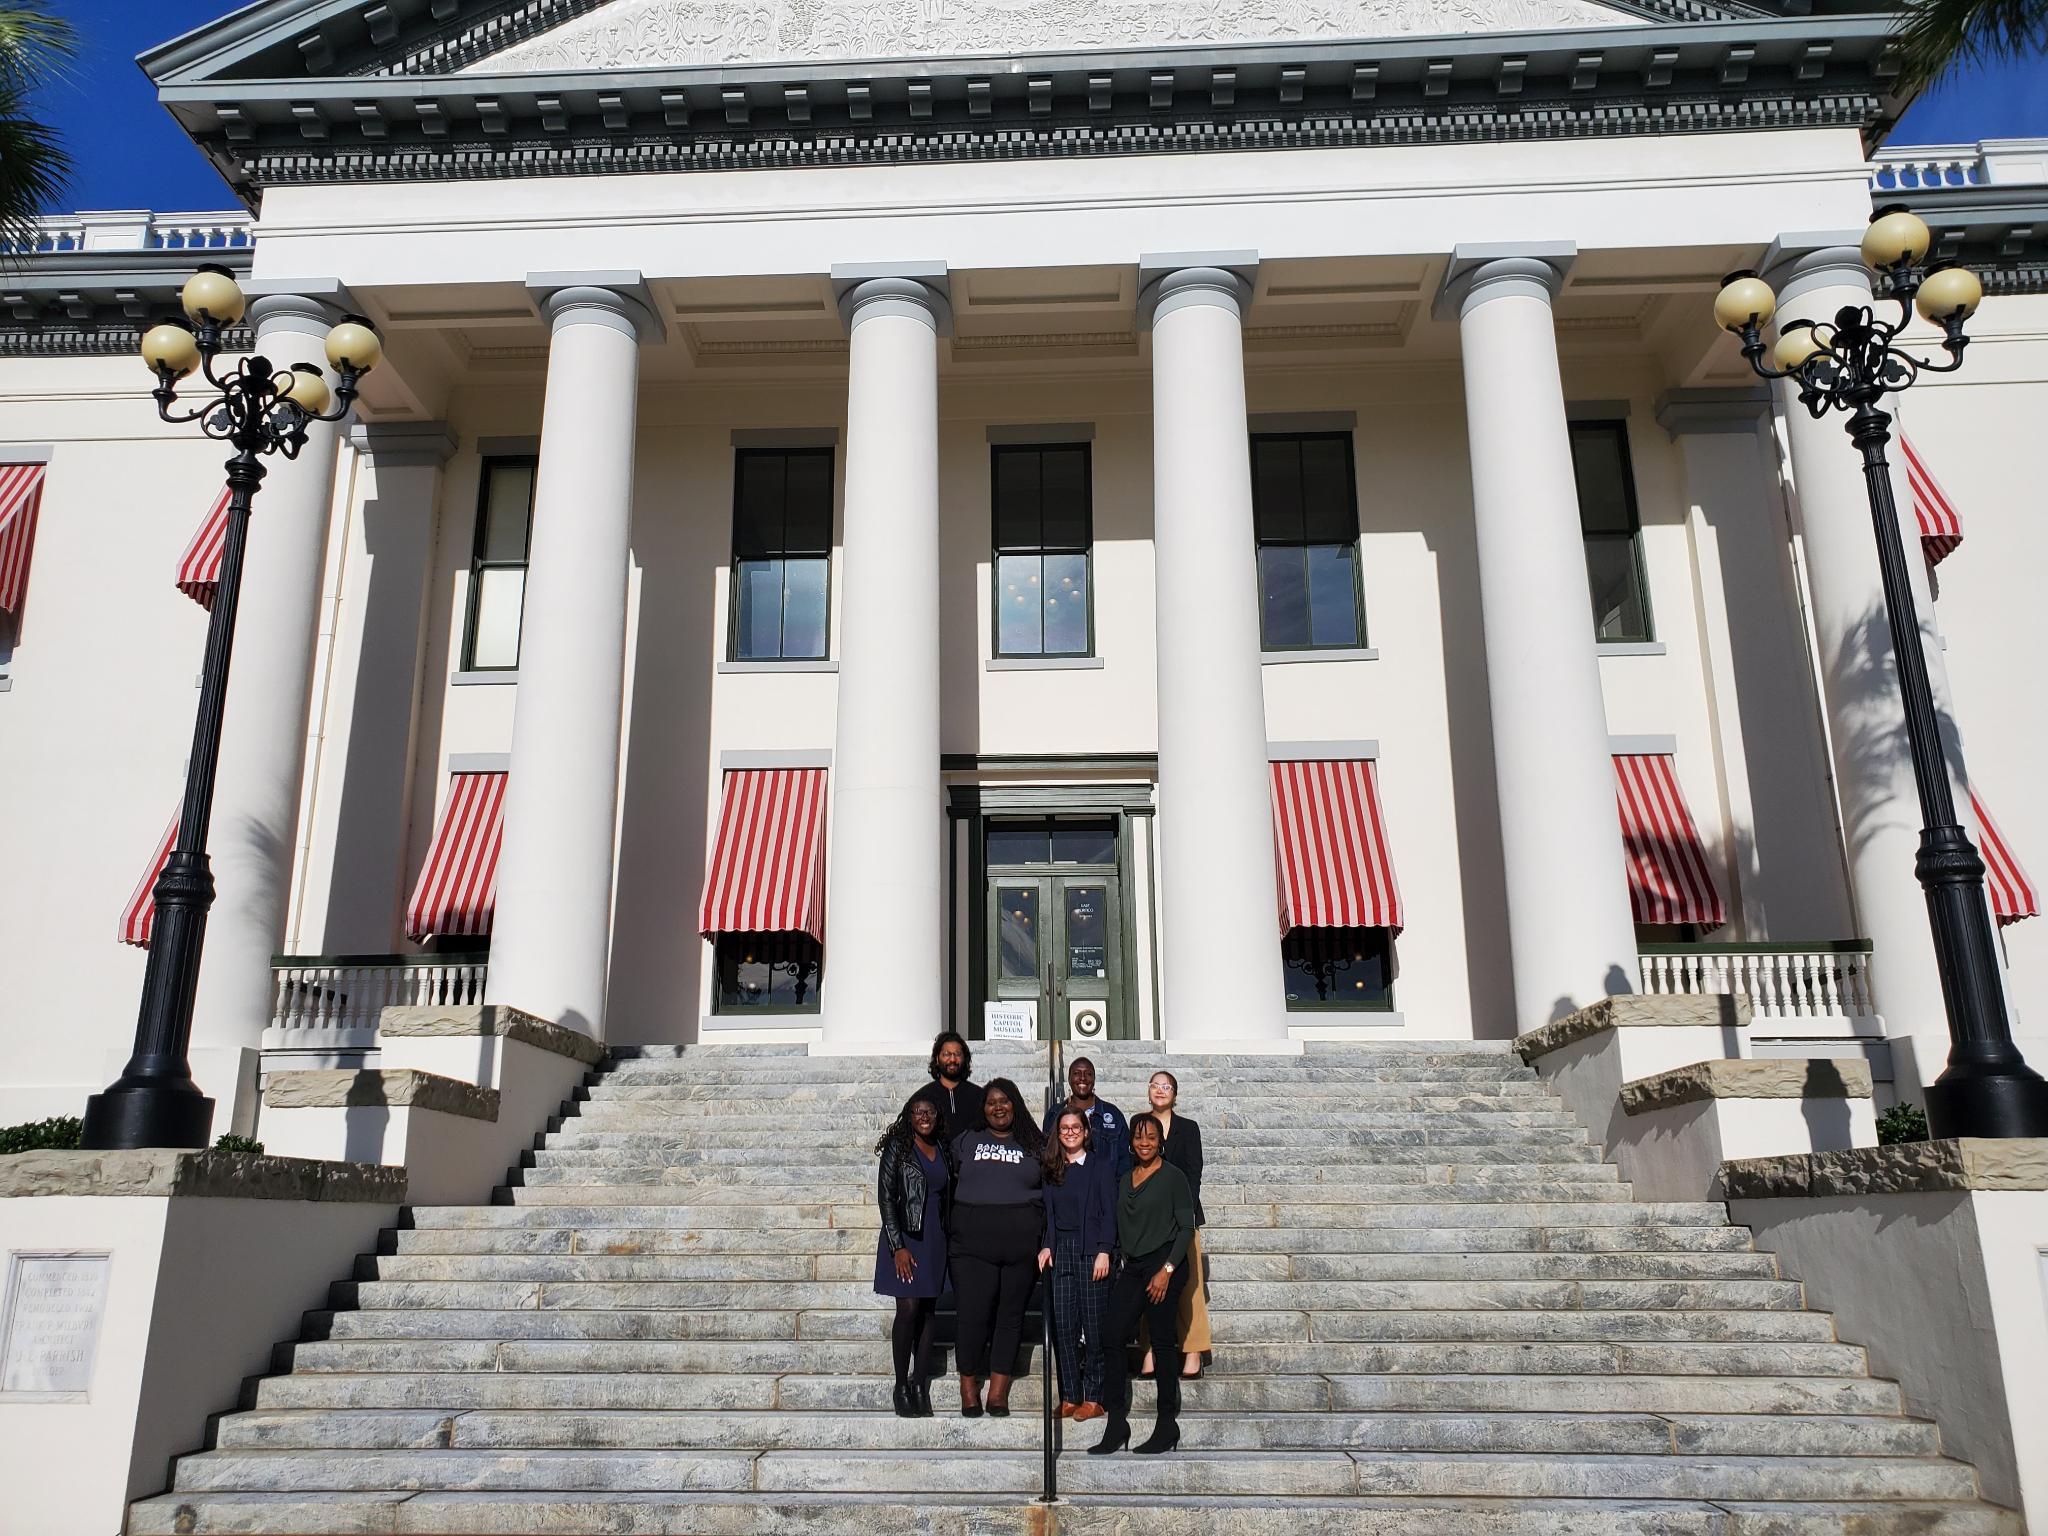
[978,1198]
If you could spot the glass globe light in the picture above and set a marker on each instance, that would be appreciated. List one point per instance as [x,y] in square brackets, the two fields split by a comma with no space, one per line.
[1949,292]
[1797,342]
[306,389]
[1896,235]
[170,348]
[212,293]
[1744,299]
[354,344]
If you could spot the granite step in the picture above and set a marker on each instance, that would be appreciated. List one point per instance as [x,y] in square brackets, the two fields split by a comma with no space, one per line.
[464,1390]
[726,1358]
[1275,1472]
[1519,1213]
[1225,1205]
[1315,1091]
[746,1162]
[478,1320]
[1636,1434]
[1305,1180]
[1406,1131]
[692,1514]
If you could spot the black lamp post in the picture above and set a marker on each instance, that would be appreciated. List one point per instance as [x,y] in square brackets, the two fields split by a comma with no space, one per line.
[1850,366]
[155,1103]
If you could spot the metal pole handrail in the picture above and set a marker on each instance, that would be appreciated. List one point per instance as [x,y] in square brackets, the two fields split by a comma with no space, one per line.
[1049,1486]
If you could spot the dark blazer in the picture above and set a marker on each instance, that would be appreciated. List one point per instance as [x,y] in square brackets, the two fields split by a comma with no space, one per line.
[961,1106]
[1087,1200]
[1183,1150]
[900,1190]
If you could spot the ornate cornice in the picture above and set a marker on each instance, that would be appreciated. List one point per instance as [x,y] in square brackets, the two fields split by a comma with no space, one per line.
[1714,75]
[98,303]
[2001,231]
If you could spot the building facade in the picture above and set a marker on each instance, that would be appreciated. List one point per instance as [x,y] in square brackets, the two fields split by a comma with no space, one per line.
[1150,523]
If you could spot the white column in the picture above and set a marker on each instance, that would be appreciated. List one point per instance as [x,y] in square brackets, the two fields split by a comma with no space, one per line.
[372,692]
[263,729]
[1571,940]
[551,937]
[885,870]
[1221,940]
[1817,275]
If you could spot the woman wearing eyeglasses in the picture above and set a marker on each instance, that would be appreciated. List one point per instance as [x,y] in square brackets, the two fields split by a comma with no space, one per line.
[1080,1237]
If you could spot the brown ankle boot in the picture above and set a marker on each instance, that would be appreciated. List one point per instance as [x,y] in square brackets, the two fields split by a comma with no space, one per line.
[998,1396]
[970,1397]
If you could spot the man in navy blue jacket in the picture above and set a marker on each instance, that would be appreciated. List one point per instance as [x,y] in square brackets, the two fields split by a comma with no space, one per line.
[1112,1131]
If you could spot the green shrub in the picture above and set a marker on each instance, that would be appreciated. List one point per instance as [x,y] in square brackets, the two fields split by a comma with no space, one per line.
[230,1142]
[1902,1122]
[58,1133]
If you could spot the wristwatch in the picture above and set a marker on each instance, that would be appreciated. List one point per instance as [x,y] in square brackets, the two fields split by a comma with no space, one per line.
[1166,1269]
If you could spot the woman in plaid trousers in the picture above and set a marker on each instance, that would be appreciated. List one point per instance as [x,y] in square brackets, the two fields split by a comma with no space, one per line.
[1081,1234]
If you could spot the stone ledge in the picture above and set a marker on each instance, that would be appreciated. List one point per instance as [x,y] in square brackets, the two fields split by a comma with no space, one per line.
[1635,1011]
[1816,1077]
[172,1173]
[397,1088]
[1912,1167]
[420,1023]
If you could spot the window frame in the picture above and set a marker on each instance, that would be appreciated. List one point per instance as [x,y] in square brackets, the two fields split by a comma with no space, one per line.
[740,454]
[997,551]
[724,1010]
[1338,1004]
[478,564]
[1363,642]
[1617,428]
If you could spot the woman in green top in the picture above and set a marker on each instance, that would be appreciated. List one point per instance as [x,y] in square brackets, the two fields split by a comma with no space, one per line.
[1155,1222]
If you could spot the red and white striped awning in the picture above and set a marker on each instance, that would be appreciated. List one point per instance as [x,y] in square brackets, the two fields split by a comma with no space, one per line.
[2013,895]
[21,499]
[1941,528]
[458,889]
[767,869]
[138,918]
[1668,878]
[199,566]
[1330,847]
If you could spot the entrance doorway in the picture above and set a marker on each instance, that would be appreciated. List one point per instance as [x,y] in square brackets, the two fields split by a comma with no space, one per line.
[1055,925]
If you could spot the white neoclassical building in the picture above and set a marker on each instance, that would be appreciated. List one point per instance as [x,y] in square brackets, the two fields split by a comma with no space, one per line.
[1172,521]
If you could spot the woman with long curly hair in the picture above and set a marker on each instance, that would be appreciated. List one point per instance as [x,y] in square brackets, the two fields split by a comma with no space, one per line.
[914,1187]
[997,1235]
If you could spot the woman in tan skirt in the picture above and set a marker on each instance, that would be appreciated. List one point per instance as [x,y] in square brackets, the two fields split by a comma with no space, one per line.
[1183,1150]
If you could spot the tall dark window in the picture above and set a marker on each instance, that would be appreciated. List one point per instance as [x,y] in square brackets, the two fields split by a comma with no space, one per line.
[768,973]
[1607,516]
[1043,528]
[1339,968]
[781,553]
[1305,505]
[497,566]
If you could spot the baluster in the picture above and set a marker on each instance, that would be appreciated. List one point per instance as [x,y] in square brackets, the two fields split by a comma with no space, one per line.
[1828,971]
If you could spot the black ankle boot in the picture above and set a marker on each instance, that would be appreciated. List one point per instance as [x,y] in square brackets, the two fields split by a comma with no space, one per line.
[1115,1436]
[921,1397]
[905,1405]
[1164,1437]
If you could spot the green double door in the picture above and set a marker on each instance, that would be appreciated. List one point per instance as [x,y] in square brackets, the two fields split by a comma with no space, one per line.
[1055,940]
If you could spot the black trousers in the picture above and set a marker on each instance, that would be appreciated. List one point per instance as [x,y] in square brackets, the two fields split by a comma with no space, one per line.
[994,1256]
[1127,1304]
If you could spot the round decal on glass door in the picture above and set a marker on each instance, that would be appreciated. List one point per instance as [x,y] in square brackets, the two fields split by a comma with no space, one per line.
[1087,1023]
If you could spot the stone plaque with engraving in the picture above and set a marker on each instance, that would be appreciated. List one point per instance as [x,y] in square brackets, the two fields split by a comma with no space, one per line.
[54,1307]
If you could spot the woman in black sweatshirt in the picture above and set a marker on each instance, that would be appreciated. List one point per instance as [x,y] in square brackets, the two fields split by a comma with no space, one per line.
[998,1230]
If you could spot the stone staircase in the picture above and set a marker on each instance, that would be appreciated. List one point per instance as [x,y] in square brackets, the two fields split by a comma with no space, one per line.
[1436,1311]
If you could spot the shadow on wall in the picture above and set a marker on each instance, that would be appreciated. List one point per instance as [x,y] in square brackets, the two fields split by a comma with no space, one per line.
[1825,1107]
[679,530]
[366,887]
[1862,669]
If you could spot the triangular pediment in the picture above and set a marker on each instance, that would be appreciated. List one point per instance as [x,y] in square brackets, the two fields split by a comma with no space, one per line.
[667,34]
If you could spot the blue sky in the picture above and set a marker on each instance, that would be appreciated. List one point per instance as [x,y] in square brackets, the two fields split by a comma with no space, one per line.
[130,154]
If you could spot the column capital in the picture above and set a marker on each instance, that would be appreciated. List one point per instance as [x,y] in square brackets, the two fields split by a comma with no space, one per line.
[307,306]
[403,443]
[1797,264]
[1530,269]
[618,299]
[916,290]
[1178,279]
[1693,411]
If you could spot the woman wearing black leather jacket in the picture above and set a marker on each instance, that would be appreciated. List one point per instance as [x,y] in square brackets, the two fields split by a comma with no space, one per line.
[914,1188]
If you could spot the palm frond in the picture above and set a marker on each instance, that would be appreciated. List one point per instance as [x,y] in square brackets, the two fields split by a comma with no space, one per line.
[34,170]
[35,42]
[1937,33]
